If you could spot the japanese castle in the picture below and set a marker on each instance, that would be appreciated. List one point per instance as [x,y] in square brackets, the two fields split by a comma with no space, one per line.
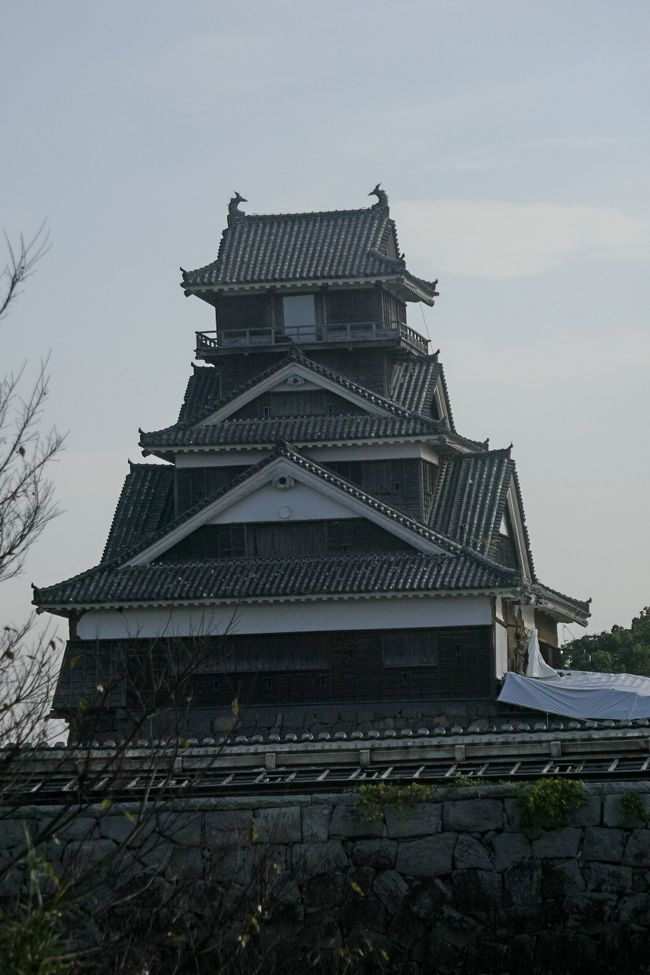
[314,536]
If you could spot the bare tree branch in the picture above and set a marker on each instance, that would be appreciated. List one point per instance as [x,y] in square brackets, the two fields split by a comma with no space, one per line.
[22,259]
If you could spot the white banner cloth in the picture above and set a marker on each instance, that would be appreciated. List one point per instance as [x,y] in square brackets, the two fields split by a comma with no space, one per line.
[581,694]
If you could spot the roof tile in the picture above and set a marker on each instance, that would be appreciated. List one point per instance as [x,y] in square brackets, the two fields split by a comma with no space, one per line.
[229,579]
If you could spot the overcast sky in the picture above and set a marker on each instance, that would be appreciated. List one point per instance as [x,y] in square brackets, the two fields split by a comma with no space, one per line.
[513,139]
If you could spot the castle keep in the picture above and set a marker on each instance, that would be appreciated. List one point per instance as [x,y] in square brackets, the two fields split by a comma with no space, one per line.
[314,522]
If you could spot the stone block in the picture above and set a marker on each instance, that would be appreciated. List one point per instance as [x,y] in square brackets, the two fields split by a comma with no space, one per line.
[428,857]
[349,821]
[602,843]
[519,919]
[509,848]
[362,909]
[316,823]
[422,819]
[233,867]
[559,951]
[228,827]
[379,854]
[277,825]
[470,854]
[391,889]
[521,952]
[154,856]
[14,832]
[523,883]
[557,843]
[589,912]
[313,859]
[324,892]
[473,815]
[476,891]
[182,829]
[511,815]
[186,863]
[637,848]
[119,828]
[286,900]
[615,813]
[590,814]
[78,828]
[560,878]
[634,909]
[81,856]
[607,877]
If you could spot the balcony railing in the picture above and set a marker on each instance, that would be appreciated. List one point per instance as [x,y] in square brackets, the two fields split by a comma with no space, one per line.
[207,342]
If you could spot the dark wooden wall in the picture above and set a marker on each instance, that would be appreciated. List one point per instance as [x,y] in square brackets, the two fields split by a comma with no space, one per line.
[308,402]
[196,484]
[282,539]
[397,482]
[452,663]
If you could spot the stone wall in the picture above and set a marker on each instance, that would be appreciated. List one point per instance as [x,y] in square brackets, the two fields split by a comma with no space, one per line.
[451,885]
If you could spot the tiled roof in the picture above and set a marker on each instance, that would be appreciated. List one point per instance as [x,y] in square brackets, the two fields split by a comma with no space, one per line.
[297,430]
[202,394]
[305,247]
[582,606]
[235,579]
[414,382]
[290,453]
[470,497]
[520,502]
[149,537]
[144,507]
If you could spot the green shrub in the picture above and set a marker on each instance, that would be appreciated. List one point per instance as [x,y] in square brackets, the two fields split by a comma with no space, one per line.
[372,798]
[634,809]
[549,803]
[466,781]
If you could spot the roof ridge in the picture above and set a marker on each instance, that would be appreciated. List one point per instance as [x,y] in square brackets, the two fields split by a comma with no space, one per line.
[307,213]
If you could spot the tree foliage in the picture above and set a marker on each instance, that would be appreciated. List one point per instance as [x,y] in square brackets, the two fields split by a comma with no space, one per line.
[621,650]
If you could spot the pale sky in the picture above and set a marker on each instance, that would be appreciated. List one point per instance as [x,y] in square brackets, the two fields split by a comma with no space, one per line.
[513,139]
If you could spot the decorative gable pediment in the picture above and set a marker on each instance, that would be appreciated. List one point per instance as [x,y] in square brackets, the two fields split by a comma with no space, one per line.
[289,488]
[294,378]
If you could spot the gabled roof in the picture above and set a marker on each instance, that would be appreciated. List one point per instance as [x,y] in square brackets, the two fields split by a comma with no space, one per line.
[145,506]
[147,547]
[471,496]
[240,579]
[421,536]
[298,247]
[202,398]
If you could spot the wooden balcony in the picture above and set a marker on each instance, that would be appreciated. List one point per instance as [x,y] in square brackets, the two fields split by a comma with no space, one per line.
[348,333]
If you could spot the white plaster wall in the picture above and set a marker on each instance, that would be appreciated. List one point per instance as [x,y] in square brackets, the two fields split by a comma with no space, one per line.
[501,649]
[364,452]
[270,504]
[368,614]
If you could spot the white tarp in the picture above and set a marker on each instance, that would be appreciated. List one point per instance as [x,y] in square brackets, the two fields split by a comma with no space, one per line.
[537,666]
[576,694]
